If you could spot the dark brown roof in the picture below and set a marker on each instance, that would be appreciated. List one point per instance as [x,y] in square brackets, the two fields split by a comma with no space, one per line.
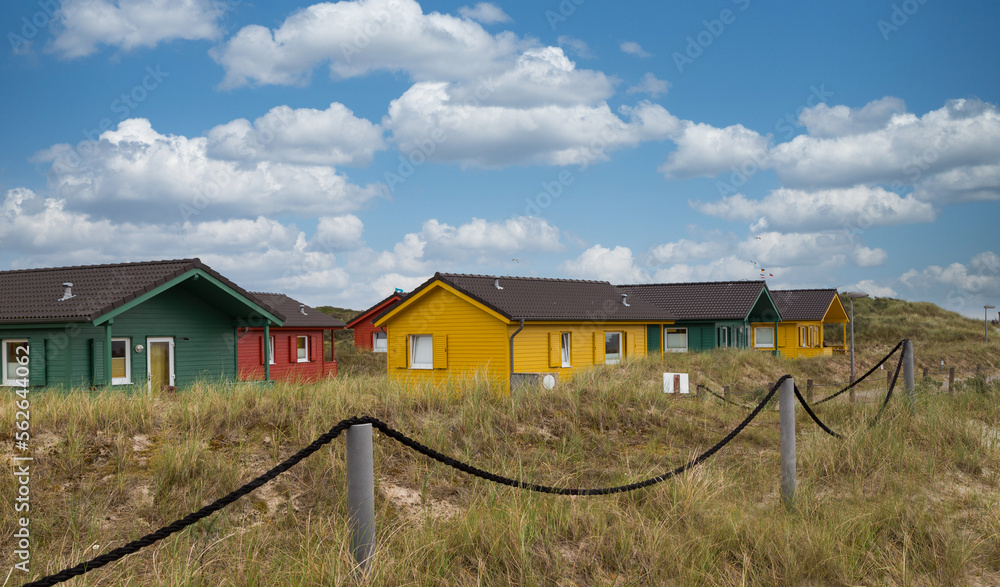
[803,304]
[535,298]
[707,300]
[292,310]
[379,307]
[35,295]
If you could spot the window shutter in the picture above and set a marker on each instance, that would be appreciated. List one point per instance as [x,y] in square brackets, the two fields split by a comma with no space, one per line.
[440,351]
[96,361]
[598,348]
[397,352]
[313,354]
[626,339]
[293,350]
[555,349]
[262,354]
[36,361]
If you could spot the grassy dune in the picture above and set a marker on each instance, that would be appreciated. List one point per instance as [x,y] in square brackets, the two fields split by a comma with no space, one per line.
[912,501]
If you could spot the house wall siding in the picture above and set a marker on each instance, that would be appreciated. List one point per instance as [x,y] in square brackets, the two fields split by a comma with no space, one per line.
[284,368]
[538,347]
[476,341]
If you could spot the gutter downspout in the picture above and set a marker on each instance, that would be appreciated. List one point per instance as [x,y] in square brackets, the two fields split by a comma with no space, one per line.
[510,379]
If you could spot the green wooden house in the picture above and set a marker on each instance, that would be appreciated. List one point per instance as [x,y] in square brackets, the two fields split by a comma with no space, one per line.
[707,315]
[149,324]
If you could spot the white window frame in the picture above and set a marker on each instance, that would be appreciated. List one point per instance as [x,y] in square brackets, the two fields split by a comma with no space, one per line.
[377,336]
[620,353]
[723,336]
[302,351]
[566,343]
[666,339]
[11,379]
[414,364]
[756,337]
[270,350]
[128,362]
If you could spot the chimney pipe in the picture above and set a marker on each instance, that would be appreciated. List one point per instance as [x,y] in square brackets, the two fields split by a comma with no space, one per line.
[302,309]
[68,292]
[624,303]
[496,283]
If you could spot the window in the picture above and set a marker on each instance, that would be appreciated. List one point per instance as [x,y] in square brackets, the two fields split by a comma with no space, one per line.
[270,350]
[676,340]
[421,351]
[378,342]
[724,337]
[566,340]
[15,362]
[763,337]
[121,364]
[612,348]
[302,348]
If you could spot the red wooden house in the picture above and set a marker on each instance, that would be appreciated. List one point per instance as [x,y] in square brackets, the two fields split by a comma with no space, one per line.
[366,335]
[296,350]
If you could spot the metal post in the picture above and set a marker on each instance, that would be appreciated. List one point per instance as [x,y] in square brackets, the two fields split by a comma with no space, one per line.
[361,494]
[850,392]
[786,422]
[908,374]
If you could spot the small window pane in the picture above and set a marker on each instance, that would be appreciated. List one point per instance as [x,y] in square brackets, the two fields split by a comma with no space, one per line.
[677,339]
[612,347]
[566,338]
[379,342]
[11,353]
[763,336]
[422,351]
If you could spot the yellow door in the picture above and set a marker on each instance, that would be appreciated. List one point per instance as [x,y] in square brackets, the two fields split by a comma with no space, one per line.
[160,363]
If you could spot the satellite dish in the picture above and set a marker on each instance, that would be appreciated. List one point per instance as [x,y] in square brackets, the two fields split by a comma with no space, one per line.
[548,382]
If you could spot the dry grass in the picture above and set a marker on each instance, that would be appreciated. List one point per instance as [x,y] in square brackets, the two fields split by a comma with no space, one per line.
[912,501]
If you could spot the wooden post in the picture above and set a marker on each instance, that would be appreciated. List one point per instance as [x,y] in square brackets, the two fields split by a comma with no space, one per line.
[951,380]
[809,390]
[697,390]
[908,374]
[786,424]
[725,391]
[361,494]
[978,369]
[927,372]
[888,379]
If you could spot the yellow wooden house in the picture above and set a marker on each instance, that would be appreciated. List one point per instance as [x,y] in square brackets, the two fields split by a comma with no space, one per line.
[457,325]
[806,315]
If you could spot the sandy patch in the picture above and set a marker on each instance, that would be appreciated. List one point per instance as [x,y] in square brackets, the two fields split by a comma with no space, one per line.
[412,505]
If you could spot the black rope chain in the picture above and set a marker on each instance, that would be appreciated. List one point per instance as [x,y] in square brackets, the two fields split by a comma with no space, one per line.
[177,526]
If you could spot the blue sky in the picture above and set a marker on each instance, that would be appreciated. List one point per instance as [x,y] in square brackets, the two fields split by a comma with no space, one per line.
[336,151]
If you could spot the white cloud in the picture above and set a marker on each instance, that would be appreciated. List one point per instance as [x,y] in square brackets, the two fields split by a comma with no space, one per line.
[963,288]
[824,121]
[705,151]
[650,85]
[974,183]
[865,257]
[633,48]
[484,12]
[147,174]
[303,136]
[601,263]
[686,250]
[338,233]
[426,119]
[579,46]
[729,267]
[81,25]
[906,149]
[361,36]
[871,288]
[855,208]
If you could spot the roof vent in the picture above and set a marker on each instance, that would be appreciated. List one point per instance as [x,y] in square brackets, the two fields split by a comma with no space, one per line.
[302,309]
[68,293]
[496,283]
[624,303]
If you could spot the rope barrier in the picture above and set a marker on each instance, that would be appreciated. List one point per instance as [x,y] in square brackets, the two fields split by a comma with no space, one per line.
[863,377]
[885,402]
[178,525]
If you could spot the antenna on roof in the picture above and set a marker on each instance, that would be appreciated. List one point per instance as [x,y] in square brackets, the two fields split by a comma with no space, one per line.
[624,303]
[302,309]
[496,283]
[68,293]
